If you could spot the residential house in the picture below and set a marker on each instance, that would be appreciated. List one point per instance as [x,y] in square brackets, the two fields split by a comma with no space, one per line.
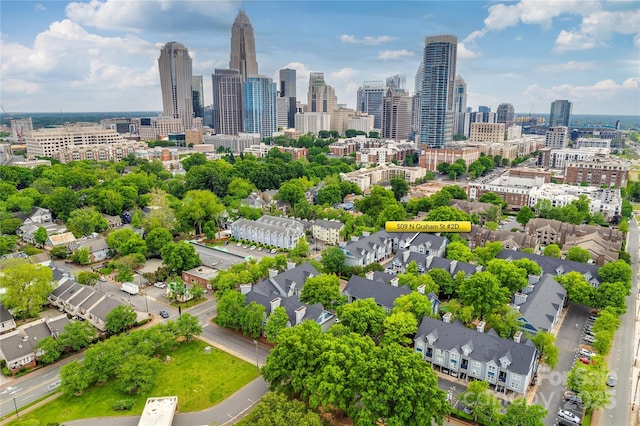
[383,293]
[482,210]
[479,236]
[550,231]
[97,315]
[7,323]
[97,246]
[60,240]
[419,242]
[283,289]
[200,275]
[427,262]
[327,230]
[602,251]
[114,222]
[555,266]
[508,365]
[43,259]
[275,231]
[39,217]
[540,303]
[367,249]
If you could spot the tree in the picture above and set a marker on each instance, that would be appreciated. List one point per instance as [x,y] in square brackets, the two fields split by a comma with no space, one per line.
[509,275]
[415,281]
[446,213]
[444,280]
[198,207]
[485,407]
[86,221]
[50,350]
[525,215]
[456,192]
[493,198]
[110,202]
[528,265]
[333,260]
[276,323]
[552,250]
[180,257]
[188,326]
[276,409]
[74,378]
[196,291]
[611,294]
[483,291]
[61,202]
[323,289]
[252,319]
[300,250]
[589,382]
[623,226]
[156,239]
[77,335]
[457,250]
[414,303]
[399,327]
[578,254]
[121,318]
[81,256]
[195,159]
[26,287]
[547,349]
[519,413]
[231,310]
[291,192]
[137,374]
[488,252]
[363,316]
[618,271]
[59,252]
[578,289]
[41,236]
[399,187]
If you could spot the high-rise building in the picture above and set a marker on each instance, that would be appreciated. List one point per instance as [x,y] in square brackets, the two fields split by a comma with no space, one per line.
[321,96]
[259,96]
[396,114]
[436,117]
[197,92]
[370,100]
[398,81]
[459,105]
[484,109]
[418,79]
[557,137]
[505,114]
[560,113]
[288,91]
[174,64]
[243,47]
[227,102]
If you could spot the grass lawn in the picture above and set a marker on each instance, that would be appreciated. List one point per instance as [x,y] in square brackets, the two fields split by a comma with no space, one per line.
[199,380]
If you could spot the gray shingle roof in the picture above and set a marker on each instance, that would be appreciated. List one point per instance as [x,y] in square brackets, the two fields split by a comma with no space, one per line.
[486,347]
[283,282]
[5,315]
[366,244]
[329,224]
[103,308]
[552,265]
[543,303]
[14,347]
[63,287]
[383,294]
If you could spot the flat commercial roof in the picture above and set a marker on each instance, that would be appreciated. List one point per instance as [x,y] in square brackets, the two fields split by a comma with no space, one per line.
[159,411]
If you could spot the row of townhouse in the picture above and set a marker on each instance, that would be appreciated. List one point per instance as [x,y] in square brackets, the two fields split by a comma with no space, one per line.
[19,348]
[275,231]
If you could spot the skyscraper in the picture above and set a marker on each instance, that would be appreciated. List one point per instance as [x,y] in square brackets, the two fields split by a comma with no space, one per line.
[505,115]
[243,47]
[396,114]
[227,102]
[398,81]
[436,117]
[370,100]
[288,91]
[560,113]
[259,98]
[198,96]
[321,96]
[174,64]
[459,105]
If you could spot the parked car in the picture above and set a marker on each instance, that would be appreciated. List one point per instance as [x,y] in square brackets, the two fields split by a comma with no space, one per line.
[586,360]
[611,381]
[103,279]
[273,251]
[568,415]
[467,410]
[239,245]
[593,317]
[160,285]
[164,314]
[252,248]
[572,397]
[586,353]
[245,246]
[534,380]
[589,338]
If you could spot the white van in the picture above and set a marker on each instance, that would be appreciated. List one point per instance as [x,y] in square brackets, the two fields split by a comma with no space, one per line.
[568,415]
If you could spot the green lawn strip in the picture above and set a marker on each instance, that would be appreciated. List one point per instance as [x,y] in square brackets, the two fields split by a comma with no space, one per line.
[586,421]
[199,381]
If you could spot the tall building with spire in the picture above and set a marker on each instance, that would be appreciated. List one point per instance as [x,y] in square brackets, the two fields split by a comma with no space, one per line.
[176,76]
[436,115]
[227,102]
[243,47]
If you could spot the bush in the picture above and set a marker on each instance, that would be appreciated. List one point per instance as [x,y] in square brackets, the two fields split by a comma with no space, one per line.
[124,404]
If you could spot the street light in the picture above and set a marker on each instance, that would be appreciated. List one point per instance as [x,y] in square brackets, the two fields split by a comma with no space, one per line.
[257,366]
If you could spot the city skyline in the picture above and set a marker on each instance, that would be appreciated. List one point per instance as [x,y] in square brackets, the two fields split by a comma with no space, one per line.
[55,53]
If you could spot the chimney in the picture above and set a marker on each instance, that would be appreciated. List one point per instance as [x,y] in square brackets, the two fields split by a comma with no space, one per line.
[533,279]
[245,288]
[517,336]
[421,288]
[272,272]
[291,265]
[519,298]
[369,275]
[481,326]
[447,317]
[275,303]
[405,255]
[527,289]
[300,313]
[452,266]
[394,281]
[366,233]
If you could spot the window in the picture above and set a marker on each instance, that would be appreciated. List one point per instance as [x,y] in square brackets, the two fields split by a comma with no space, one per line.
[515,381]
[453,360]
[439,357]
[475,368]
[491,373]
[429,353]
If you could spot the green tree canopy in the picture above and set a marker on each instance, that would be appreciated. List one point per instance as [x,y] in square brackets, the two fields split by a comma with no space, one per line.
[547,349]
[578,254]
[26,287]
[180,256]
[121,318]
[363,316]
[85,221]
[484,292]
[552,250]
[333,260]
[323,289]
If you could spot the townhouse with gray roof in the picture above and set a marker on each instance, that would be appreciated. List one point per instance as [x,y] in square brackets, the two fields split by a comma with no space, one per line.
[507,365]
[367,249]
[327,230]
[540,303]
[383,293]
[283,289]
[97,246]
[426,263]
[555,266]
[419,242]
[274,231]
[7,323]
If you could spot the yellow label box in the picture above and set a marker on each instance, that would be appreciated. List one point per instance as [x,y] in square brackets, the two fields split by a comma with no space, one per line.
[406,226]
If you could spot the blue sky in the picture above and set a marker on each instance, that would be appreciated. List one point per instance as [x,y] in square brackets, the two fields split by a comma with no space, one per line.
[101,55]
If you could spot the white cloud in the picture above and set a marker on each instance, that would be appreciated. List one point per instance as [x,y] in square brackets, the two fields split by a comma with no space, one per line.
[369,40]
[568,66]
[13,85]
[604,89]
[597,29]
[464,53]
[39,7]
[344,73]
[394,54]
[153,15]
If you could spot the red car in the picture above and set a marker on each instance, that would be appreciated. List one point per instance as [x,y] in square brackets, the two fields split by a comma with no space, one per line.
[586,360]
